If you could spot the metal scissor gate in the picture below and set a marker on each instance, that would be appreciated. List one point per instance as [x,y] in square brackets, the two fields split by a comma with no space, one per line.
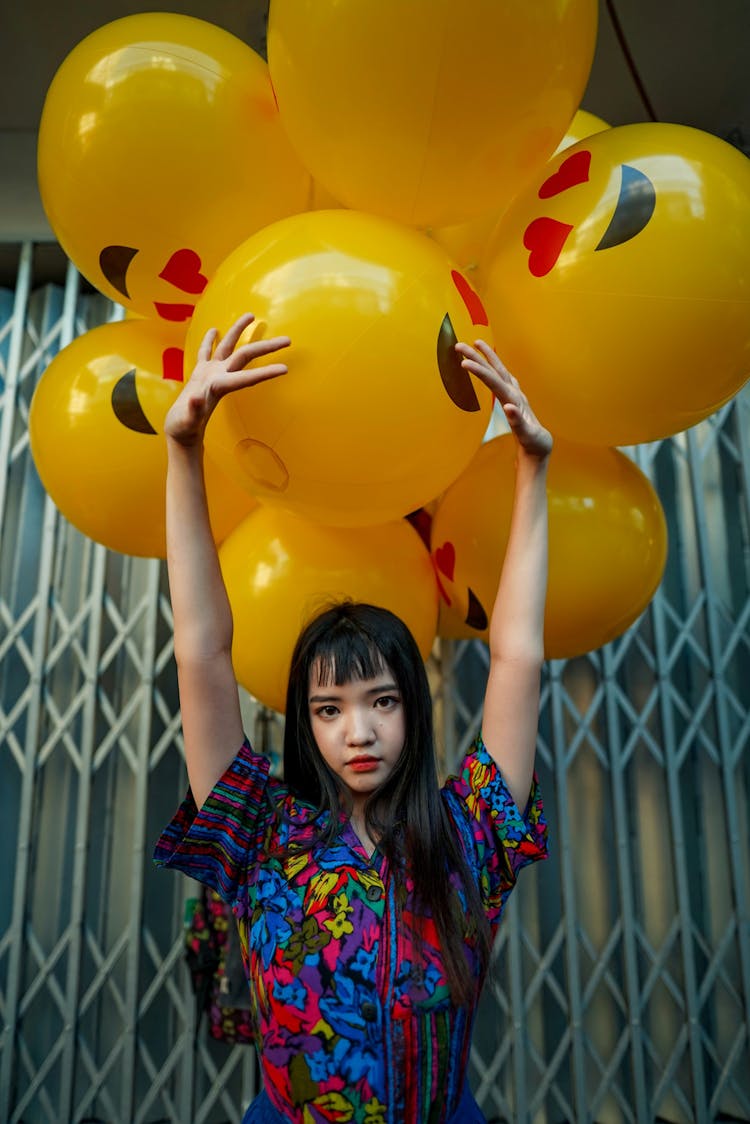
[621,982]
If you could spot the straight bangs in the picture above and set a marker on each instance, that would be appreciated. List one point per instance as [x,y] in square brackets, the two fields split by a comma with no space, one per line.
[343,656]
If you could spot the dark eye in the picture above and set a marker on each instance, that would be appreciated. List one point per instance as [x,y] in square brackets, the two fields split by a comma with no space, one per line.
[327,711]
[386,702]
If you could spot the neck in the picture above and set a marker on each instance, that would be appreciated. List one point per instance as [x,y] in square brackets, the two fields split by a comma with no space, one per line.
[359,826]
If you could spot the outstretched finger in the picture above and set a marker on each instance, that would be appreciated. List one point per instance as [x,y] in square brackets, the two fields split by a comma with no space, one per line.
[207,344]
[494,360]
[256,349]
[484,357]
[227,344]
[238,379]
[270,371]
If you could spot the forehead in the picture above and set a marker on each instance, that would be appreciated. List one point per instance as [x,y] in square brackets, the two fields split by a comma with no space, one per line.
[326,671]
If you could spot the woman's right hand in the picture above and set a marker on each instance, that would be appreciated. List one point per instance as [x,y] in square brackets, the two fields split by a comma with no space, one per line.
[219,370]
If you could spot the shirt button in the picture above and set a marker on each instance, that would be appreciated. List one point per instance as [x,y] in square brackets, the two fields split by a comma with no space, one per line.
[373,893]
[369,1011]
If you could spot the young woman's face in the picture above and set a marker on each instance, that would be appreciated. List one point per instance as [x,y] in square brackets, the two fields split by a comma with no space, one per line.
[359,728]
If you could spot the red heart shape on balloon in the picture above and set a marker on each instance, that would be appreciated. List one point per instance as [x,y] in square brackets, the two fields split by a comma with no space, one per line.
[545,238]
[183,270]
[571,172]
[445,559]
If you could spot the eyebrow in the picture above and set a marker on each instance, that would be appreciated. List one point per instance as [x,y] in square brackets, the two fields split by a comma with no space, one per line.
[379,689]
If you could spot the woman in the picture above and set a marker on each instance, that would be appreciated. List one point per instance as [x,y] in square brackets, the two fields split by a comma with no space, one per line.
[366,896]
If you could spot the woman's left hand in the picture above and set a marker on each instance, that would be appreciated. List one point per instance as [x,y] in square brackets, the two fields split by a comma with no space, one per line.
[481,360]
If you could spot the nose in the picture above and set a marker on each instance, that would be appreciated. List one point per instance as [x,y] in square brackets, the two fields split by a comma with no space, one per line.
[359,729]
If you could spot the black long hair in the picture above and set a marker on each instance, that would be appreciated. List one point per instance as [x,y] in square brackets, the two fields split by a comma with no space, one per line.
[353,640]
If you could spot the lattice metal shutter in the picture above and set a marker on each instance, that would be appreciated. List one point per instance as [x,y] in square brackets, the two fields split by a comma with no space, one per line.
[622,975]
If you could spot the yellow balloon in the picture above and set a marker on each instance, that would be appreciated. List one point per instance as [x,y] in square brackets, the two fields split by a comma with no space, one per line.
[607,547]
[160,150]
[349,436]
[280,571]
[96,434]
[419,111]
[619,287]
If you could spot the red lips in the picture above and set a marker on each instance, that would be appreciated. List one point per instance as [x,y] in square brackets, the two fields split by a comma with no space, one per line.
[470,297]
[363,764]
[172,364]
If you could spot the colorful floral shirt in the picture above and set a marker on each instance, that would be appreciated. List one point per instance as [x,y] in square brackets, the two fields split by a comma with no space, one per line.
[350,1024]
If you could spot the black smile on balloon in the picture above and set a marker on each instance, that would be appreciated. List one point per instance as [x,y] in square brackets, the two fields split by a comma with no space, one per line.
[455,378]
[475,617]
[127,408]
[635,206]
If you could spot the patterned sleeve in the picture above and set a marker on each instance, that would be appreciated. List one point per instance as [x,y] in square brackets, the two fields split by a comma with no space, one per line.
[498,839]
[217,844]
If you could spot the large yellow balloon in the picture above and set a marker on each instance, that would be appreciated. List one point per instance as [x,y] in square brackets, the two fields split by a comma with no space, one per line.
[376,416]
[280,571]
[95,428]
[619,287]
[160,150]
[607,546]
[427,111]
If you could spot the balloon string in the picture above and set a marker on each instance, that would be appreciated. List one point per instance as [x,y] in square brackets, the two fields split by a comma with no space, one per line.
[630,61]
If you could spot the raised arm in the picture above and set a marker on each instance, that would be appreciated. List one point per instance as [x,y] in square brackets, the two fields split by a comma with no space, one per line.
[511,704]
[209,699]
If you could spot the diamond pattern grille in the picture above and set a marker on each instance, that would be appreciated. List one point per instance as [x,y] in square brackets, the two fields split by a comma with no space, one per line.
[621,978]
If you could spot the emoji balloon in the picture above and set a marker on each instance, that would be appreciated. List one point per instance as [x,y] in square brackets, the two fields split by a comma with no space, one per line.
[425,112]
[160,150]
[373,309]
[607,544]
[280,571]
[619,287]
[95,429]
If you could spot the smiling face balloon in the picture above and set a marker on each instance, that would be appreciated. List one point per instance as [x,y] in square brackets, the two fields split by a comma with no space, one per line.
[160,150]
[619,287]
[96,433]
[607,544]
[376,416]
